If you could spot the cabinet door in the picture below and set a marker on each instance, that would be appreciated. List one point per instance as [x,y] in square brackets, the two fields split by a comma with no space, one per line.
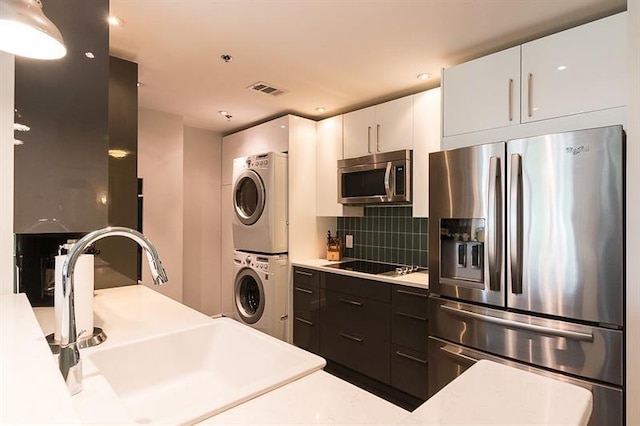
[426,139]
[328,152]
[578,70]
[394,125]
[482,94]
[359,133]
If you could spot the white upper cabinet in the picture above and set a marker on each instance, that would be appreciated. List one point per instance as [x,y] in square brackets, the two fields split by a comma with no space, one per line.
[426,139]
[575,71]
[328,152]
[482,94]
[380,128]
[580,70]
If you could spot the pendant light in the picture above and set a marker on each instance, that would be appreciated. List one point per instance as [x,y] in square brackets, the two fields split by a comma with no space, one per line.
[26,31]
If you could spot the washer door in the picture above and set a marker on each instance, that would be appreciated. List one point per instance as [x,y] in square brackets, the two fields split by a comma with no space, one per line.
[248,197]
[249,295]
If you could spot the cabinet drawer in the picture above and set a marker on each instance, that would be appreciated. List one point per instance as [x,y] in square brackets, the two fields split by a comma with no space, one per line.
[306,334]
[306,278]
[368,289]
[355,332]
[409,371]
[409,317]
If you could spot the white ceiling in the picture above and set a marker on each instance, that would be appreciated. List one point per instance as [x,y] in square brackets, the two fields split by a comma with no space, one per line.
[340,55]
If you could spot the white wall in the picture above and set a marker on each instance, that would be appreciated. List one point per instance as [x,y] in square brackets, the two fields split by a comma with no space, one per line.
[6,172]
[202,238]
[633,218]
[160,165]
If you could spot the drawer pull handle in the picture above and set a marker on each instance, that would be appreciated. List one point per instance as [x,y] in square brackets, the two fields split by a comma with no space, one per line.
[350,337]
[351,302]
[412,293]
[304,321]
[304,290]
[306,274]
[412,358]
[415,317]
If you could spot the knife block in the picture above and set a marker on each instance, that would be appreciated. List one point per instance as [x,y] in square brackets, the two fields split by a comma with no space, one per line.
[334,249]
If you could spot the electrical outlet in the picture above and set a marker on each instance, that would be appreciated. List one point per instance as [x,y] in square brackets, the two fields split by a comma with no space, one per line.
[349,241]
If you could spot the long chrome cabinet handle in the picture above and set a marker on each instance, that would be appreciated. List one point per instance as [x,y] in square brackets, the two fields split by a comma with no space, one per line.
[350,302]
[377,138]
[369,139]
[304,321]
[412,293]
[415,317]
[549,331]
[412,358]
[350,337]
[529,94]
[510,99]
[306,274]
[494,233]
[515,224]
[304,290]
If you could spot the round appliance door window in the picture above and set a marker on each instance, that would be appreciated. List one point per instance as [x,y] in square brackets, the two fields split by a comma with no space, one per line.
[249,296]
[248,197]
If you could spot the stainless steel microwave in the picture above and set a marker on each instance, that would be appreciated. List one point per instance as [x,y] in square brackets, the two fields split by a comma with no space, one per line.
[383,178]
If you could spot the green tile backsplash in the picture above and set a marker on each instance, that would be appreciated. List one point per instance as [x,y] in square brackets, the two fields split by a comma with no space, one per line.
[386,234]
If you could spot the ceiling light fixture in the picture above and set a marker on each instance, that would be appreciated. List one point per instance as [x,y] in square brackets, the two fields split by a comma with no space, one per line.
[226,58]
[423,76]
[225,114]
[89,55]
[114,21]
[320,110]
[26,31]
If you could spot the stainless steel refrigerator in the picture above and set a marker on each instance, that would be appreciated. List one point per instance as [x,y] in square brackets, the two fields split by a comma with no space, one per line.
[526,261]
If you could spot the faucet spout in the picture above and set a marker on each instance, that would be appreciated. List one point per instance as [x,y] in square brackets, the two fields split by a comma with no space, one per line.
[69,359]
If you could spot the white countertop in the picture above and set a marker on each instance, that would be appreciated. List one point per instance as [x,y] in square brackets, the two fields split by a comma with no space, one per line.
[415,279]
[31,387]
[491,393]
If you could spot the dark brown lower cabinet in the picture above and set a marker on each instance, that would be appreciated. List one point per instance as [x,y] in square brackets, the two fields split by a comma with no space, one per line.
[373,332]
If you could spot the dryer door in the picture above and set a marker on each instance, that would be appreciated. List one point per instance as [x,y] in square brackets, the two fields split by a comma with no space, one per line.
[249,295]
[248,197]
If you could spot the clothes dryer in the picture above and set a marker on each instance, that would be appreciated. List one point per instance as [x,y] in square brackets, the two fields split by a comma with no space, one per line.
[260,203]
[260,296]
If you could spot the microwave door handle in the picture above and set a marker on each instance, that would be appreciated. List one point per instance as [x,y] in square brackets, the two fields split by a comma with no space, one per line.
[387,182]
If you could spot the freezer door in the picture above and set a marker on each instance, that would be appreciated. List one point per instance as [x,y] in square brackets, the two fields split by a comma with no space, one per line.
[447,361]
[466,223]
[586,351]
[566,224]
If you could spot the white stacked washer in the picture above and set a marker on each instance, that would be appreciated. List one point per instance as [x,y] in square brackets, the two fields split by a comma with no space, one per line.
[260,203]
[260,292]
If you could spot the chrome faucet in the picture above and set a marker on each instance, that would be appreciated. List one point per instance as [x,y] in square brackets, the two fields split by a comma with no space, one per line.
[69,359]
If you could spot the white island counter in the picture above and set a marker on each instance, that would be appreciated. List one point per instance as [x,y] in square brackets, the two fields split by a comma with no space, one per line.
[129,314]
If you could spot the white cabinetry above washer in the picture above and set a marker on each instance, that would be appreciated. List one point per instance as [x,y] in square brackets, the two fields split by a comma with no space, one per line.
[575,71]
[381,128]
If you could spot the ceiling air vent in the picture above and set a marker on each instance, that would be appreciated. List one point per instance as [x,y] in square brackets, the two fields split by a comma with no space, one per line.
[266,88]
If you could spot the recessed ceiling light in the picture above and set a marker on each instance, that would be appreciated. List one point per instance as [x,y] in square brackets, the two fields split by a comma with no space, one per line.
[89,55]
[423,76]
[114,21]
[225,114]
[320,110]
[226,58]
[562,68]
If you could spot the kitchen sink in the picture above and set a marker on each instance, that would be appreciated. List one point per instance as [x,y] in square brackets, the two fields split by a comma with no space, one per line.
[187,376]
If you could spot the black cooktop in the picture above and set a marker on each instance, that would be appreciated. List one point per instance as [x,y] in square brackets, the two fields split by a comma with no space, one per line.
[365,266]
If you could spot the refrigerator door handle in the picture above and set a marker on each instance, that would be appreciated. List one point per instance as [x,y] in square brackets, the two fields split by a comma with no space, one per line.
[494,235]
[549,331]
[515,224]
[458,356]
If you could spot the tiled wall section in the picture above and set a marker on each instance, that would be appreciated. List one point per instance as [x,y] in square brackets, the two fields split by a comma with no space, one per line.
[386,234]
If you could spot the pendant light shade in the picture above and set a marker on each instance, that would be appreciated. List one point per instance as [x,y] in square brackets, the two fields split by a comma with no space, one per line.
[26,31]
